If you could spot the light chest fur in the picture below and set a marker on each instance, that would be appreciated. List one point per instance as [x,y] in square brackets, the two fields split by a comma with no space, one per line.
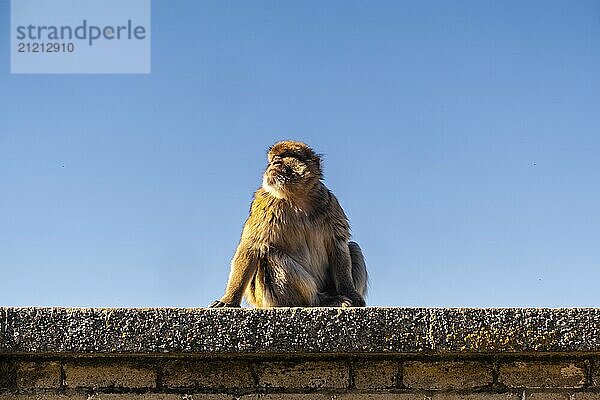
[306,234]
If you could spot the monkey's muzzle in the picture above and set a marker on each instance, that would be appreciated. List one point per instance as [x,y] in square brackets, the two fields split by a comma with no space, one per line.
[278,174]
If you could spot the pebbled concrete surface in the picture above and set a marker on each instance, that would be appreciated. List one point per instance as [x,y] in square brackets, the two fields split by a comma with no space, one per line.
[297,330]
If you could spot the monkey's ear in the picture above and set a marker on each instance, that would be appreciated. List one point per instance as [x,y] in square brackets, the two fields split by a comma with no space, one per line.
[317,160]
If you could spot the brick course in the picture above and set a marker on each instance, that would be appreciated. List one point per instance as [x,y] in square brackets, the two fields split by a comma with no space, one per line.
[541,374]
[304,374]
[119,375]
[446,374]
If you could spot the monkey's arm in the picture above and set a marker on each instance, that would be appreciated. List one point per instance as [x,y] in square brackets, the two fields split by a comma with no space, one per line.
[243,267]
[341,269]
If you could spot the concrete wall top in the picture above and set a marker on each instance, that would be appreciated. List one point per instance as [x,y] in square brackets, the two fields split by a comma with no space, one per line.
[371,330]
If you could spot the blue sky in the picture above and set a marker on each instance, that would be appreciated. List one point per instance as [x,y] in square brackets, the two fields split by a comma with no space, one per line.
[462,138]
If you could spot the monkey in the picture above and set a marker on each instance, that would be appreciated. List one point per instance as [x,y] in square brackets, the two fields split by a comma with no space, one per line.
[294,249]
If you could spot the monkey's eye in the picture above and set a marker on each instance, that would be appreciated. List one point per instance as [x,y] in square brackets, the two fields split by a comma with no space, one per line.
[291,155]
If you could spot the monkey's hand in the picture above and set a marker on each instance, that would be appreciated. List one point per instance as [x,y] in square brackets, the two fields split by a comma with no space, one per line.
[220,304]
[344,301]
[356,299]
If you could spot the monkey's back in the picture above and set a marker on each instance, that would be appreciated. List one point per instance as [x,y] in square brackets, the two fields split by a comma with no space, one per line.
[293,243]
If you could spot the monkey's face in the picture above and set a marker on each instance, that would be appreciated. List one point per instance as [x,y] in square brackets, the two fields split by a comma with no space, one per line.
[294,169]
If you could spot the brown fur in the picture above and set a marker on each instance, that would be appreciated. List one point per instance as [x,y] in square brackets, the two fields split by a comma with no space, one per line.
[294,249]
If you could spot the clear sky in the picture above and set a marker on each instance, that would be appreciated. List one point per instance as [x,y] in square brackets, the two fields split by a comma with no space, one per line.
[462,138]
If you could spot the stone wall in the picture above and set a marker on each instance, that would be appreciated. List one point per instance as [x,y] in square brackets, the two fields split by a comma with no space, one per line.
[370,353]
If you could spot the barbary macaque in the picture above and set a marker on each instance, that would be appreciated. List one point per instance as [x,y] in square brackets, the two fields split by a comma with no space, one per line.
[295,249]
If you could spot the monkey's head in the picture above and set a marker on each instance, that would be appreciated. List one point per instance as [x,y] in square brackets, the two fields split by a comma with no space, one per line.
[294,169]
